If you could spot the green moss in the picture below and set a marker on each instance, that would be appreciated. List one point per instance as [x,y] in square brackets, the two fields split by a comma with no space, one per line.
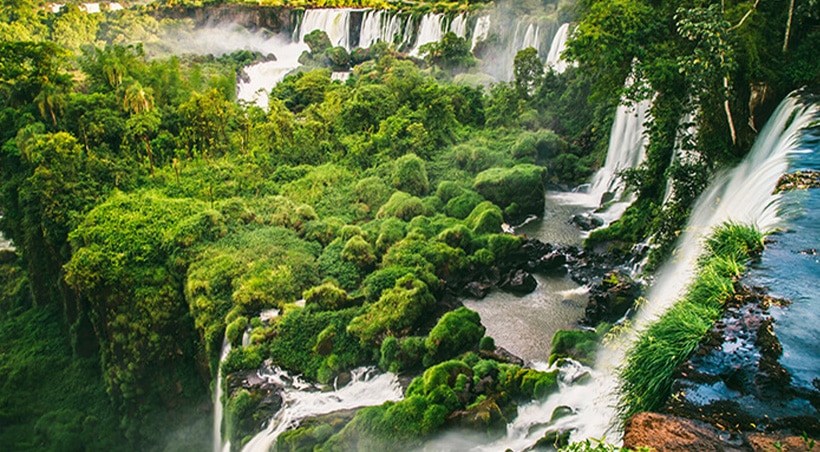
[522,184]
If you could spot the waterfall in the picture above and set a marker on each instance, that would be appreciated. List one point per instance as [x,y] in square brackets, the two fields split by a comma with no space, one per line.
[334,22]
[217,433]
[627,149]
[301,400]
[525,37]
[429,31]
[743,194]
[459,25]
[559,44]
[380,25]
[481,31]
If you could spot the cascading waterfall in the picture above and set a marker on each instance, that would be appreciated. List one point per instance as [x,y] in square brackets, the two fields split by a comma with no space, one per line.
[459,25]
[559,44]
[627,149]
[527,38]
[744,195]
[481,31]
[333,21]
[217,434]
[301,400]
[385,26]
[433,26]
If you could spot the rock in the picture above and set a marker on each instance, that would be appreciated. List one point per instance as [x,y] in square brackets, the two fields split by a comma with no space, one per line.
[477,289]
[519,282]
[552,440]
[561,411]
[501,354]
[552,263]
[671,434]
[485,416]
[760,442]
[611,298]
[607,197]
[586,222]
[800,180]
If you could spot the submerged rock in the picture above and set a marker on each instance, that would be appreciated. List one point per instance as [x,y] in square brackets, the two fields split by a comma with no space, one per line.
[586,222]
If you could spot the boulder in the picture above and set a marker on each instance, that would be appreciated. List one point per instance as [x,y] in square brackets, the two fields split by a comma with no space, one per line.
[477,289]
[586,222]
[671,434]
[610,299]
[519,282]
[552,263]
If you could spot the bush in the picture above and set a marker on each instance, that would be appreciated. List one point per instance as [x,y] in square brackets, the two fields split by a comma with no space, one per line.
[327,297]
[410,175]
[332,265]
[458,236]
[456,332]
[575,344]
[359,252]
[487,344]
[502,245]
[401,205]
[448,190]
[397,311]
[522,184]
[373,192]
[236,330]
[485,218]
[461,205]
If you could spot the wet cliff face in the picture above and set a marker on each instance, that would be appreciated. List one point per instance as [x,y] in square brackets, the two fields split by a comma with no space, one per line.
[273,18]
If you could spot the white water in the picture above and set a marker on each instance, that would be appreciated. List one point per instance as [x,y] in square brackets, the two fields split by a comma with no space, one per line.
[217,434]
[481,31]
[301,400]
[380,25]
[559,44]
[333,21]
[528,38]
[429,31]
[627,149]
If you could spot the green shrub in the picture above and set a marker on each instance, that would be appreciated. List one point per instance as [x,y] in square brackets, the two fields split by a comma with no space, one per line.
[456,332]
[461,205]
[397,311]
[359,252]
[485,218]
[410,175]
[373,192]
[458,236]
[448,190]
[575,344]
[487,344]
[391,231]
[332,265]
[242,358]
[236,330]
[502,245]
[327,297]
[522,184]
[401,205]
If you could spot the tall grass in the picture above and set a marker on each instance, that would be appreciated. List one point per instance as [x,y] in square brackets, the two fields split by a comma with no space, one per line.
[646,377]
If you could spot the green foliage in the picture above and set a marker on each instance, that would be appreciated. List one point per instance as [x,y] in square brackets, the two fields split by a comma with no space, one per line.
[578,345]
[236,330]
[455,332]
[647,375]
[401,205]
[359,252]
[485,218]
[397,312]
[410,175]
[487,344]
[462,205]
[522,184]
[452,53]
[327,297]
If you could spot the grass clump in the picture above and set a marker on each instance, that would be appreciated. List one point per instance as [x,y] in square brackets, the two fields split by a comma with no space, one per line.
[646,378]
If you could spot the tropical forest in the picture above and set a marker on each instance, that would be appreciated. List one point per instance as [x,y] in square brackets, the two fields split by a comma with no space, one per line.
[410,225]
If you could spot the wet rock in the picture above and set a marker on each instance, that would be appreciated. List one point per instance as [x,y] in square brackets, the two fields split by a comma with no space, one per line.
[800,180]
[561,411]
[671,434]
[552,263]
[586,222]
[484,416]
[611,298]
[501,354]
[552,440]
[477,289]
[519,282]
[607,197]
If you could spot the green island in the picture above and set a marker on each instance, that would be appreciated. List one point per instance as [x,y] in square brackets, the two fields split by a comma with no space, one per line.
[154,216]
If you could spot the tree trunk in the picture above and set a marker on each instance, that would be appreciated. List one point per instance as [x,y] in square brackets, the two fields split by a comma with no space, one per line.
[788,26]
[729,112]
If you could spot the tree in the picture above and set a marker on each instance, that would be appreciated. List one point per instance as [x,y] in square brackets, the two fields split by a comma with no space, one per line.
[528,71]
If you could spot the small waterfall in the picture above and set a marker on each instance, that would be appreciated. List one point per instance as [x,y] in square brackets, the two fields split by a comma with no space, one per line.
[385,26]
[627,149]
[459,25]
[743,194]
[217,434]
[335,22]
[429,31]
[301,400]
[559,44]
[526,35]
[481,31]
